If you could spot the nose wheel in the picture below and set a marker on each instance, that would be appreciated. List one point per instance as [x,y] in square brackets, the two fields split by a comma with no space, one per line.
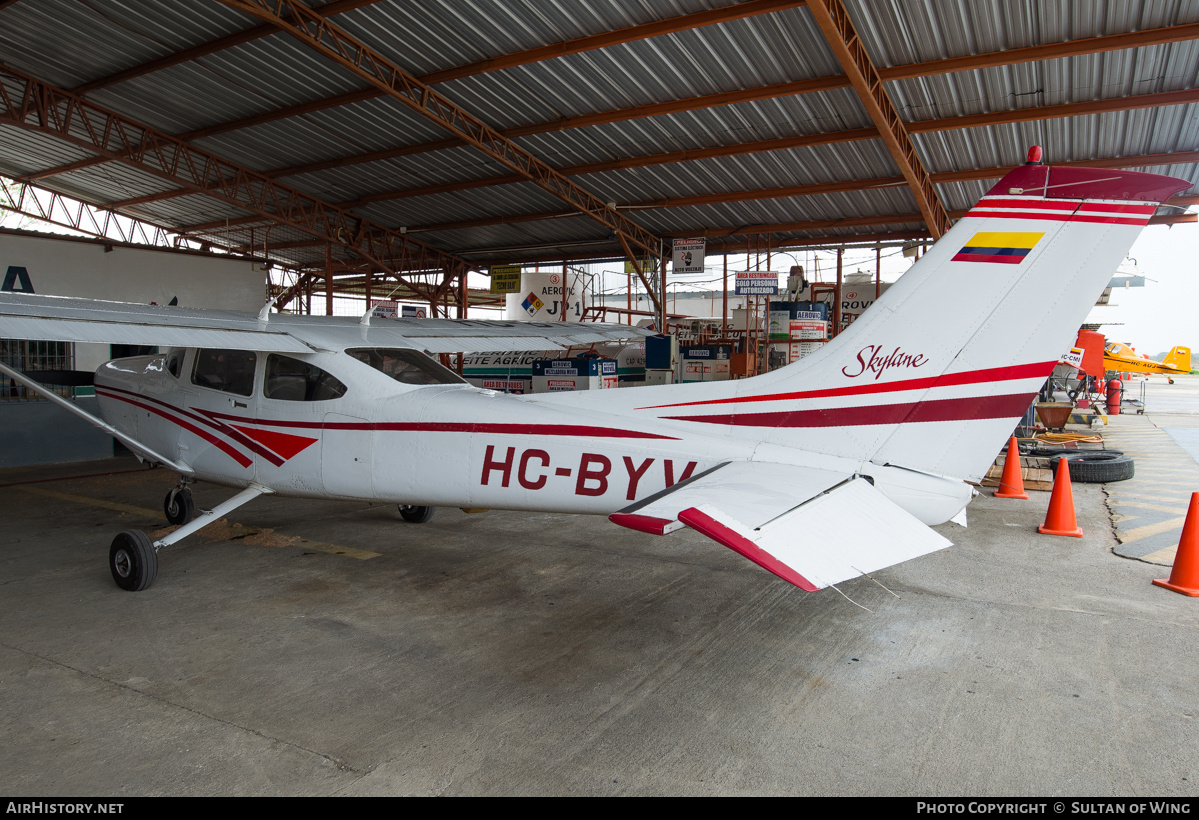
[178,506]
[416,515]
[133,560]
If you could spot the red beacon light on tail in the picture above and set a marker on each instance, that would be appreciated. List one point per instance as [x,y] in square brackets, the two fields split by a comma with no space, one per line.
[1034,156]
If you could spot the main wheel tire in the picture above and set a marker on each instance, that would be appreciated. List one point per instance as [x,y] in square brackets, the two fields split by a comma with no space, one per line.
[133,561]
[178,506]
[1098,467]
[416,515]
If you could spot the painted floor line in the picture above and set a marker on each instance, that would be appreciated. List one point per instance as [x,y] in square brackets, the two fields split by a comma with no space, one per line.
[156,515]
[1166,555]
[1137,533]
[1142,505]
[115,506]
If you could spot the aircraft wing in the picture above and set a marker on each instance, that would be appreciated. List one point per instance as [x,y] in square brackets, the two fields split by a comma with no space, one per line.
[63,319]
[811,527]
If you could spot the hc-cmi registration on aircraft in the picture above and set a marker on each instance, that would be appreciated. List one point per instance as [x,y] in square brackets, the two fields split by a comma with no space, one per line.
[827,469]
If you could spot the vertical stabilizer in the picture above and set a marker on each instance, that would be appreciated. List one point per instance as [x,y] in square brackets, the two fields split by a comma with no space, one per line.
[1180,357]
[936,374]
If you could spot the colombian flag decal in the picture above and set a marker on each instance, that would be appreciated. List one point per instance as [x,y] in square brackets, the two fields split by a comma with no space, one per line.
[1006,248]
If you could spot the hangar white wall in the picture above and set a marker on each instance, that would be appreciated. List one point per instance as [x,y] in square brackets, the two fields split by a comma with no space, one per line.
[94,269]
[39,433]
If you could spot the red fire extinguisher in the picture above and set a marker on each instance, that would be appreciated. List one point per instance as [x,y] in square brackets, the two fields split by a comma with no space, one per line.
[1115,392]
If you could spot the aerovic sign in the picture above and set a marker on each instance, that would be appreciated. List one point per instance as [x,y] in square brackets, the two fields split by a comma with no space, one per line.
[688,256]
[544,297]
[757,283]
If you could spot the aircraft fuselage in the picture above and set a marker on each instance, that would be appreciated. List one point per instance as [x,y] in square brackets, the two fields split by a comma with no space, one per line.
[437,444]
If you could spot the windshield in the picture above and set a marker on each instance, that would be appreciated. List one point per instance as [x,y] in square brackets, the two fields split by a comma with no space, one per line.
[406,366]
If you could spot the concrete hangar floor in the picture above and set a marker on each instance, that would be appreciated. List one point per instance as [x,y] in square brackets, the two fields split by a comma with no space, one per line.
[331,649]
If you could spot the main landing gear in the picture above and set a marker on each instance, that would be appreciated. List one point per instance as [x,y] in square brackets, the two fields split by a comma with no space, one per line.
[133,557]
[133,560]
[416,515]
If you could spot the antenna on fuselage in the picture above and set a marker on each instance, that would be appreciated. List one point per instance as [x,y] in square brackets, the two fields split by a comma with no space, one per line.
[264,315]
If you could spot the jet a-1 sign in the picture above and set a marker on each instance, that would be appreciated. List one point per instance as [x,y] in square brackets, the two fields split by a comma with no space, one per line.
[824,470]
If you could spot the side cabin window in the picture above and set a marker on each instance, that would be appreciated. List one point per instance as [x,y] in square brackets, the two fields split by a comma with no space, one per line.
[289,379]
[174,362]
[231,371]
[406,366]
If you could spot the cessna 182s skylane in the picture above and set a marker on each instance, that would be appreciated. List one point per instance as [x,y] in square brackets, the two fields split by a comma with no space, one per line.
[821,471]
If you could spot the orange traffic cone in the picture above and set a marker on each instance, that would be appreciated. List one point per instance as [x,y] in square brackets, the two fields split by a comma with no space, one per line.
[1011,485]
[1184,577]
[1059,520]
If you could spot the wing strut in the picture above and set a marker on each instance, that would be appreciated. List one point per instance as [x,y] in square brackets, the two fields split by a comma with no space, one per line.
[133,444]
[206,517]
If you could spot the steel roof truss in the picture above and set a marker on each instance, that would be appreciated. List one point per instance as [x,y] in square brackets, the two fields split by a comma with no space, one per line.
[51,110]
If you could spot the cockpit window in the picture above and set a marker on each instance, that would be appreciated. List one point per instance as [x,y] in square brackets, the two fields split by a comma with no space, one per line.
[231,371]
[289,379]
[406,366]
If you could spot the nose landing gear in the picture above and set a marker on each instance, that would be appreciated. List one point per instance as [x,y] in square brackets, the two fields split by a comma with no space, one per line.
[416,515]
[178,505]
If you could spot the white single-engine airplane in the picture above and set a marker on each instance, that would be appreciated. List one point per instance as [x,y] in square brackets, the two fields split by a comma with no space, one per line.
[821,471]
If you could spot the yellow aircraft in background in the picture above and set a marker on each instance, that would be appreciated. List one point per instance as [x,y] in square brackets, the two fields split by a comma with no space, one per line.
[1121,357]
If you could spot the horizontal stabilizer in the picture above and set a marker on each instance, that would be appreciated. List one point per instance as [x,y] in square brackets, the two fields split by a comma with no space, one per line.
[851,530]
[810,527]
[759,491]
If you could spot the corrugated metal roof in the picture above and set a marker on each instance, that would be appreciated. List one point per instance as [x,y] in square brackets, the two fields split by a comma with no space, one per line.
[70,44]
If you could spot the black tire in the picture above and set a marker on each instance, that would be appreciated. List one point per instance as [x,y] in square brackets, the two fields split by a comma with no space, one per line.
[133,561]
[178,506]
[416,515]
[1098,467]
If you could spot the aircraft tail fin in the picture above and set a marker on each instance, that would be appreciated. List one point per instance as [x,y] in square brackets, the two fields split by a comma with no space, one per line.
[1180,357]
[937,373]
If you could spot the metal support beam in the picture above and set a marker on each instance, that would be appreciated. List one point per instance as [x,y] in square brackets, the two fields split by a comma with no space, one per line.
[923,126]
[643,31]
[347,51]
[1158,36]
[237,38]
[1049,51]
[41,107]
[1179,158]
[1048,112]
[838,29]
[583,120]
[47,206]
[321,35]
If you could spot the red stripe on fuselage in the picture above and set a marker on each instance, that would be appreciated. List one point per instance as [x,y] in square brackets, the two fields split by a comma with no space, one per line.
[216,421]
[1039,370]
[1065,205]
[225,447]
[219,426]
[974,407]
[583,431]
[1058,217]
